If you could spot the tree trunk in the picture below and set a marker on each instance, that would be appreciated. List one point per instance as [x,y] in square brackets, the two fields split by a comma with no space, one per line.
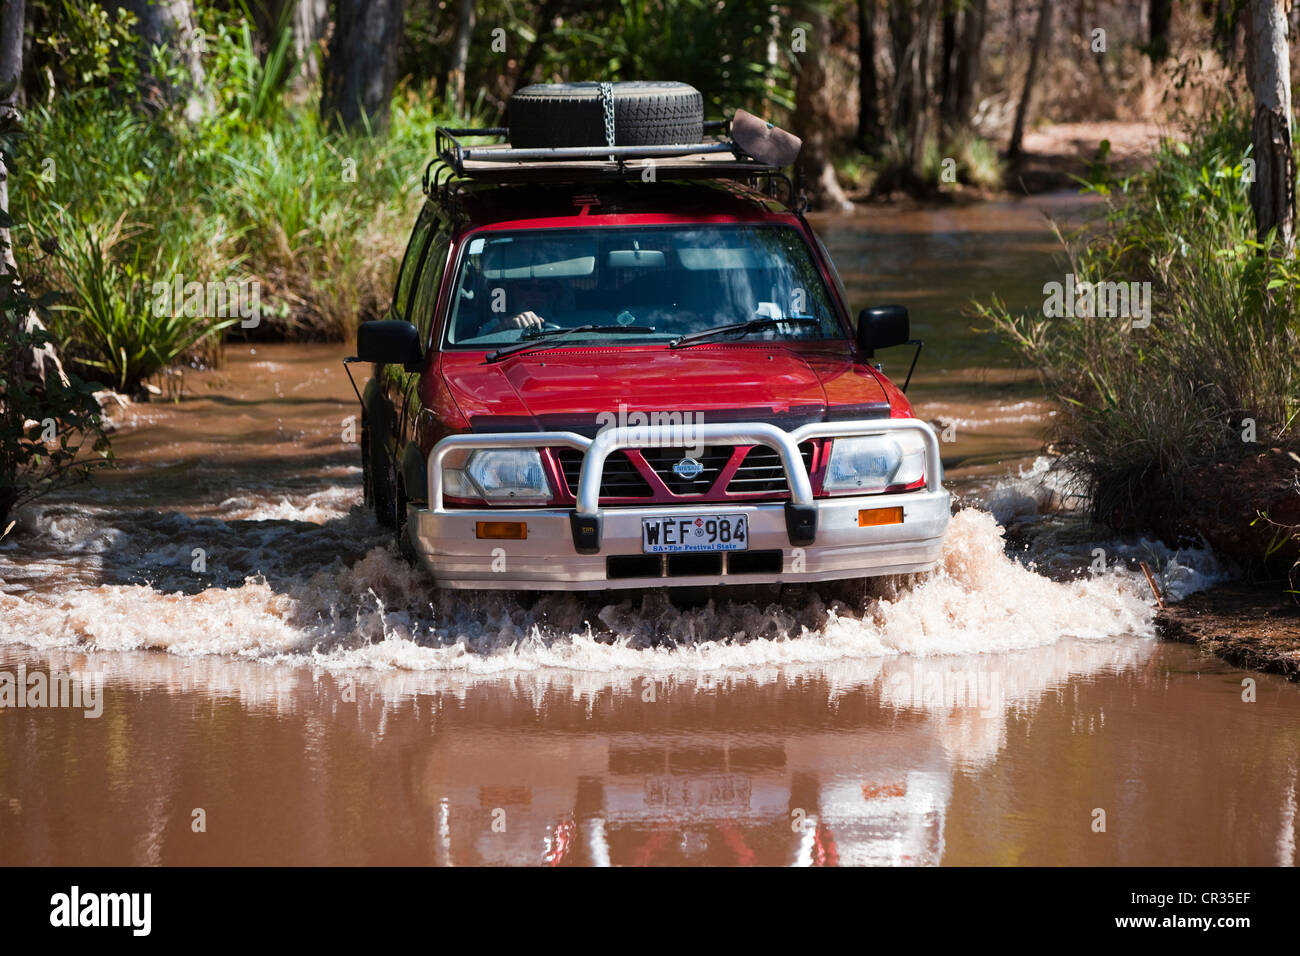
[311,20]
[947,66]
[1268,68]
[902,32]
[1159,15]
[812,115]
[307,22]
[868,110]
[361,66]
[919,95]
[12,15]
[460,53]
[170,24]
[1042,37]
[35,363]
[968,60]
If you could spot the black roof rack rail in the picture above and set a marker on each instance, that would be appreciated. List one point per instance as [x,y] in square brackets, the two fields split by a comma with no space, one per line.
[456,165]
[719,157]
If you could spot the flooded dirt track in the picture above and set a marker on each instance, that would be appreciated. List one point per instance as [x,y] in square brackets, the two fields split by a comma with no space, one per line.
[861,762]
[269,661]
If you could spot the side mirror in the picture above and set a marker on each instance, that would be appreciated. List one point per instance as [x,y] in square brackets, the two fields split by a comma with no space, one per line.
[881,326]
[390,342]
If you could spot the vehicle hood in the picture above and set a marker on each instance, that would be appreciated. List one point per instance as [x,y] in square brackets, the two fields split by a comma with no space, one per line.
[572,389]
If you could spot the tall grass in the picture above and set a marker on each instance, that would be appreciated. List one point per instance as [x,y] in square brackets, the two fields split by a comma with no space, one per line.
[257,190]
[1140,406]
[112,330]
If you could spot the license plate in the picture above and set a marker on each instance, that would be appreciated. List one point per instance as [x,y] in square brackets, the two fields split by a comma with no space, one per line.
[710,790]
[684,533]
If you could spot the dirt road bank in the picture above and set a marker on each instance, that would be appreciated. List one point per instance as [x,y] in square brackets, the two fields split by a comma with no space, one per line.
[1249,625]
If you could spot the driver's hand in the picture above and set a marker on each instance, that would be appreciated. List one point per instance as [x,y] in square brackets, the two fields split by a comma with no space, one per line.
[524,320]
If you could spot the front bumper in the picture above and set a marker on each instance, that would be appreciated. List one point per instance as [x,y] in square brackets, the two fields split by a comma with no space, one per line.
[803,540]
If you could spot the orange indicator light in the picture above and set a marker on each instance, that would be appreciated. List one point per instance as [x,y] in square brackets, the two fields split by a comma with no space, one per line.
[509,530]
[873,517]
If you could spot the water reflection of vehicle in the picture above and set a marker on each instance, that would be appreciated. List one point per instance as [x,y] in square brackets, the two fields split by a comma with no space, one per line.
[696,798]
[858,770]
[851,762]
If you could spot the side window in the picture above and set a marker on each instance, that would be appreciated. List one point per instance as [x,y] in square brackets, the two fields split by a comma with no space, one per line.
[411,263]
[426,294]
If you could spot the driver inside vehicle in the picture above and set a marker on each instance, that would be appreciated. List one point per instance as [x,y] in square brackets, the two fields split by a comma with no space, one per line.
[544,301]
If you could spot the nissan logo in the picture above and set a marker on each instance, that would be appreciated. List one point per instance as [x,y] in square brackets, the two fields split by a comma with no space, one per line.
[687,468]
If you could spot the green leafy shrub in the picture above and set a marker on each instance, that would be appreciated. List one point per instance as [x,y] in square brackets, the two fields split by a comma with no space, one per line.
[91,44]
[43,429]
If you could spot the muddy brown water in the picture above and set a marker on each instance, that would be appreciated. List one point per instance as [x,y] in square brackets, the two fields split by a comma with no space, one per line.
[277,687]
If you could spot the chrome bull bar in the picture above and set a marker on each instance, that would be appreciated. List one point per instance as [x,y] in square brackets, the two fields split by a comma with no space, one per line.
[801,508]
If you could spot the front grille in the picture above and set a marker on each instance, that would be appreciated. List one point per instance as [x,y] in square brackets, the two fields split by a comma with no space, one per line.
[754,562]
[761,470]
[633,566]
[620,480]
[713,459]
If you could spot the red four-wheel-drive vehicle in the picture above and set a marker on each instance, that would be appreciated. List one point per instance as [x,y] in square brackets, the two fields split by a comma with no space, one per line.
[624,363]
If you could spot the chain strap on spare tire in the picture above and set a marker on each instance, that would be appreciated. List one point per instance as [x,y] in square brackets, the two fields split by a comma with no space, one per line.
[607,105]
[636,113]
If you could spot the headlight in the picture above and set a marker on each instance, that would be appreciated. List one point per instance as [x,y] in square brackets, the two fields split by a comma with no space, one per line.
[496,474]
[871,464]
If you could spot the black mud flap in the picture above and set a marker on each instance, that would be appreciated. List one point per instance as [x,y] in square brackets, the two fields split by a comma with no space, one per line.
[801,523]
[415,473]
[586,532]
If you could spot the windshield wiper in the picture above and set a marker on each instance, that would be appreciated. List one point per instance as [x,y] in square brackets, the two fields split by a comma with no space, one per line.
[534,343]
[741,328]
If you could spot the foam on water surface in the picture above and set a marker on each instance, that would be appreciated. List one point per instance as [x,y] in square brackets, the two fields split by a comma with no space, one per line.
[327,589]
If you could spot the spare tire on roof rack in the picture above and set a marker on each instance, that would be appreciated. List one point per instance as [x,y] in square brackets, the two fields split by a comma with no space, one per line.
[572,114]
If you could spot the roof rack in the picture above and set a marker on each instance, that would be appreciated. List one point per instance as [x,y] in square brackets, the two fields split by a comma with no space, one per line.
[719,158]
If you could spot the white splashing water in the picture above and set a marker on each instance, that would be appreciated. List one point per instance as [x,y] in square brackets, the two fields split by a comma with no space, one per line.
[376,612]
[1047,489]
[1032,491]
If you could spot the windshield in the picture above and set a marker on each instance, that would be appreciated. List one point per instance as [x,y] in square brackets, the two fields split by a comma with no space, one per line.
[656,283]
